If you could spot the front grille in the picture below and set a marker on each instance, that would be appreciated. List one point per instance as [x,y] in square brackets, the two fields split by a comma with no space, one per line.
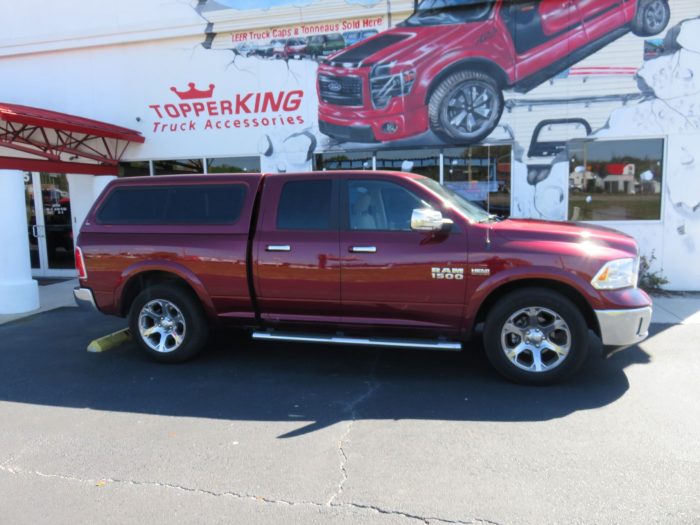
[343,91]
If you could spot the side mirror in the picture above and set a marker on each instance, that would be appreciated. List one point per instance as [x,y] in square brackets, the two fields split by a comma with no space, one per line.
[429,220]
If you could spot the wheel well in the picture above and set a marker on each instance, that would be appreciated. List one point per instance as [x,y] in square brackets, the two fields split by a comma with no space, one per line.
[136,284]
[567,291]
[484,66]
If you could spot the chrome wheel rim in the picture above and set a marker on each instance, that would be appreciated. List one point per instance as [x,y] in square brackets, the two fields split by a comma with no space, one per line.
[536,339]
[655,16]
[471,108]
[162,326]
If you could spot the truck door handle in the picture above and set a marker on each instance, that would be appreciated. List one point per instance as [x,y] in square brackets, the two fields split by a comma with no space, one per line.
[35,231]
[363,249]
[278,248]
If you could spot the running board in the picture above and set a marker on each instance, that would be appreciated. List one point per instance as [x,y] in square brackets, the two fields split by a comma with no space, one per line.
[358,341]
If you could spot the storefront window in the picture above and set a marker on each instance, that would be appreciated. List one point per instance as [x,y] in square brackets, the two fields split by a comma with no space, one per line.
[422,161]
[346,160]
[234,165]
[134,169]
[178,167]
[615,180]
[480,174]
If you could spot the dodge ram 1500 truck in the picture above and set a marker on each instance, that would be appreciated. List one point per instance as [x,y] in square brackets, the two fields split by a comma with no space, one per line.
[390,259]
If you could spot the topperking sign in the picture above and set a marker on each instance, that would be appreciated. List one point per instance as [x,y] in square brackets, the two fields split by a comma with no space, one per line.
[195,109]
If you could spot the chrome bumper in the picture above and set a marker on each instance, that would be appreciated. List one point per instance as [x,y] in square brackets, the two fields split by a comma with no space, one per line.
[624,327]
[84,298]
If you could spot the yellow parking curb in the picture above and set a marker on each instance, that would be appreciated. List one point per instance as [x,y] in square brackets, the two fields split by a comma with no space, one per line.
[109,341]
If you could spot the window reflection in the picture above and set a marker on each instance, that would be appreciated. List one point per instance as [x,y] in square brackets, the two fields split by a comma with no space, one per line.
[615,180]
[134,169]
[422,161]
[234,165]
[178,167]
[480,174]
[345,160]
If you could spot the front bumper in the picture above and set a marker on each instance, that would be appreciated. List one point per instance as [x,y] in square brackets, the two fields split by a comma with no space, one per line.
[84,298]
[624,327]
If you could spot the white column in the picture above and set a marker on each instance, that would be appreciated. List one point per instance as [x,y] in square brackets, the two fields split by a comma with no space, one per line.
[99,184]
[84,190]
[18,291]
[81,198]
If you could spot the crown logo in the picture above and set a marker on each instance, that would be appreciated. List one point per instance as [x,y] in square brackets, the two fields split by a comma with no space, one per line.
[193,92]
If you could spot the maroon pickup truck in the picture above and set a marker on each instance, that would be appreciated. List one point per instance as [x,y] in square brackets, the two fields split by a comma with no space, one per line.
[390,259]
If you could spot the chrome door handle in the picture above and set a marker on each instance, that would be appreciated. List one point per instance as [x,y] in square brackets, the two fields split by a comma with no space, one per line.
[363,249]
[278,248]
[35,231]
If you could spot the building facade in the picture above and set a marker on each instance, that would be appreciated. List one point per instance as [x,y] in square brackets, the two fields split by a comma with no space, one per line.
[587,110]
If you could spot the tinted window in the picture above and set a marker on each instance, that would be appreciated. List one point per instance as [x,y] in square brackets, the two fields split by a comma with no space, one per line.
[306,205]
[211,204]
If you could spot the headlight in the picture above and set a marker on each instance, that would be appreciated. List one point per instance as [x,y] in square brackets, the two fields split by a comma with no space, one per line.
[620,273]
[384,85]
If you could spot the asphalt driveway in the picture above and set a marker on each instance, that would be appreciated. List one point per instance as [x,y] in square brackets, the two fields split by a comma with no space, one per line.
[258,432]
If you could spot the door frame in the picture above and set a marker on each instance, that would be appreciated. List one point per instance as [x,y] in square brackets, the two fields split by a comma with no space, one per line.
[39,233]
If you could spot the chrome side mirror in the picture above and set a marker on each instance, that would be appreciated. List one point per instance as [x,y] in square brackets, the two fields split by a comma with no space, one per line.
[429,220]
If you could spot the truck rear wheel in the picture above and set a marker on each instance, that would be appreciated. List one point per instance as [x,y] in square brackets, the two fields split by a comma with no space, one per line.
[168,323]
[465,107]
[652,17]
[535,336]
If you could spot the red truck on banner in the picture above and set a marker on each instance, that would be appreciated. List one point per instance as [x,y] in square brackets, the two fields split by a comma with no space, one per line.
[446,66]
[389,259]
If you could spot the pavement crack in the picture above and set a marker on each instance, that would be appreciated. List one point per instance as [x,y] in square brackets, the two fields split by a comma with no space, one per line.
[351,407]
[425,519]
[244,496]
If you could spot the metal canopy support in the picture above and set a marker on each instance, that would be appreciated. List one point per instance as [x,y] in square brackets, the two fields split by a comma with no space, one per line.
[51,141]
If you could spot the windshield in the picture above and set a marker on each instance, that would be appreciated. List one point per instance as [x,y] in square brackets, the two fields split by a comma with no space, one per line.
[436,12]
[471,210]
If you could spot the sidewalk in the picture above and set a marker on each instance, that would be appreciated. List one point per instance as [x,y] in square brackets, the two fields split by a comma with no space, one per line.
[677,309]
[51,296]
[668,309]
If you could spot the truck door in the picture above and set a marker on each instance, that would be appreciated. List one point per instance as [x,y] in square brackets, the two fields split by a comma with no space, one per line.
[543,32]
[296,250]
[391,275]
[600,17]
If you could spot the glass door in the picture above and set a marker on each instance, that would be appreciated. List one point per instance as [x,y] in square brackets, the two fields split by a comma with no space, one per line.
[50,224]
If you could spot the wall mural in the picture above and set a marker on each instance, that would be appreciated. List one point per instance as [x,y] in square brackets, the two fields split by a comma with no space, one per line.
[448,73]
[565,86]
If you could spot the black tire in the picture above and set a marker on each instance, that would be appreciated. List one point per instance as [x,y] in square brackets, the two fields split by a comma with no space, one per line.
[182,330]
[454,98]
[652,17]
[531,319]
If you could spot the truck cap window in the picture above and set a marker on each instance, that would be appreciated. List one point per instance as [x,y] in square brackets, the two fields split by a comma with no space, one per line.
[306,205]
[206,204]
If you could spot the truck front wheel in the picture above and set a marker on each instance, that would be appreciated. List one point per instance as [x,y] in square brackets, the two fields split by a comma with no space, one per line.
[465,107]
[535,336]
[652,17]
[168,323]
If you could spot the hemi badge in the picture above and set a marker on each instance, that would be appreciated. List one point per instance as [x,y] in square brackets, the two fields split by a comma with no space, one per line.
[481,271]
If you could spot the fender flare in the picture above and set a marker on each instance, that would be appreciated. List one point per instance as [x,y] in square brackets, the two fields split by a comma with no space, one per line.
[163,266]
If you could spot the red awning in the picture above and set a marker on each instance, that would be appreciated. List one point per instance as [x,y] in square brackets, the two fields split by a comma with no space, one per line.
[58,142]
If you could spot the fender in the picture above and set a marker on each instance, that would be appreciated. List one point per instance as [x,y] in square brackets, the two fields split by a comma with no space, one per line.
[164,266]
[479,294]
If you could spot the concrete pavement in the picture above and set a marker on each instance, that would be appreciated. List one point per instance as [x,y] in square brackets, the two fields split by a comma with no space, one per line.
[51,296]
[262,433]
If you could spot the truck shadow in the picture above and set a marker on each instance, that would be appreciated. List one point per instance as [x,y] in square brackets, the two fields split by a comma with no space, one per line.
[43,361]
